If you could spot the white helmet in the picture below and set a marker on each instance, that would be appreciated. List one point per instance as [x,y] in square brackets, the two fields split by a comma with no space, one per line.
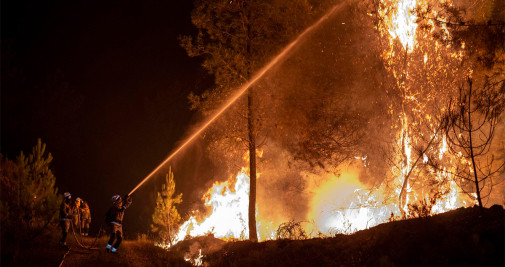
[116,198]
[67,195]
[78,199]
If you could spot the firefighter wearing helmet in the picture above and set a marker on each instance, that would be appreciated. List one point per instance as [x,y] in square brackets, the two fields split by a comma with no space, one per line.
[76,214]
[114,219]
[85,218]
[65,217]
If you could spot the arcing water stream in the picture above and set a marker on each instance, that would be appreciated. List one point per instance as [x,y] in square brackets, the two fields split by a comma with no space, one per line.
[241,91]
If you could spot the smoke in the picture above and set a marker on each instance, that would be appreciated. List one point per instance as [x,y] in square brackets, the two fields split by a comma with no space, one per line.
[282,189]
[330,85]
[326,122]
[320,109]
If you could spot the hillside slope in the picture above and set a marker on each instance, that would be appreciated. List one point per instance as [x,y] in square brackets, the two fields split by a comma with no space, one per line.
[462,237]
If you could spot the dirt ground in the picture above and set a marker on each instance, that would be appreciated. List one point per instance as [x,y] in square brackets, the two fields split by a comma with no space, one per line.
[463,237]
[47,252]
[130,253]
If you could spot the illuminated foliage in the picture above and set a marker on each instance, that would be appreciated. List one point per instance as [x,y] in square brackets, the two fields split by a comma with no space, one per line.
[373,87]
[431,48]
[166,218]
[236,38]
[226,30]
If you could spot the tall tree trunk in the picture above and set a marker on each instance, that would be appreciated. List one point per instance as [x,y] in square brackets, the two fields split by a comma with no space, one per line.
[168,228]
[476,180]
[253,236]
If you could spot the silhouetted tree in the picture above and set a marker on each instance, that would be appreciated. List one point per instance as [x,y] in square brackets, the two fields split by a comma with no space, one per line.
[29,199]
[452,40]
[471,133]
[477,31]
[29,192]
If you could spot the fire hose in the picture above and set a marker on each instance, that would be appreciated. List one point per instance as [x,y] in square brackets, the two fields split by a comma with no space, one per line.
[63,257]
[240,91]
[91,247]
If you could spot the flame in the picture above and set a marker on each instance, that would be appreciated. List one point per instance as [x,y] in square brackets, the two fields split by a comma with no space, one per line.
[229,204]
[342,203]
[329,196]
[403,23]
[197,260]
[425,60]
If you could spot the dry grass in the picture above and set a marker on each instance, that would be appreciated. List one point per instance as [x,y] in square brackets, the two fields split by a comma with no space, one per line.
[45,251]
[463,237]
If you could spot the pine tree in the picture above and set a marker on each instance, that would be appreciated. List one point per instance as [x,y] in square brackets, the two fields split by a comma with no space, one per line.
[476,29]
[165,216]
[38,194]
[29,198]
[237,38]
[474,121]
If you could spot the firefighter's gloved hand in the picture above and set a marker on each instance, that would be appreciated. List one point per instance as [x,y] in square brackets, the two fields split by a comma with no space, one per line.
[128,198]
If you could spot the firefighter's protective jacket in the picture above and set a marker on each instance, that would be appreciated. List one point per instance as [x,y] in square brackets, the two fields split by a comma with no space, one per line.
[116,212]
[65,211]
[85,213]
[76,212]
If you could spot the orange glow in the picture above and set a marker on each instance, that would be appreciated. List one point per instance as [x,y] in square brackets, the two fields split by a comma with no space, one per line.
[239,92]
[229,203]
[403,25]
[342,203]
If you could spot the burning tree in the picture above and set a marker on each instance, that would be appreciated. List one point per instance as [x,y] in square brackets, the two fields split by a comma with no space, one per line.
[367,86]
[237,38]
[166,217]
[471,132]
[477,34]
[430,50]
[417,67]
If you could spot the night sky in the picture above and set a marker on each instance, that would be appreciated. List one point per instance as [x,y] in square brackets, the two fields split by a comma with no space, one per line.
[105,85]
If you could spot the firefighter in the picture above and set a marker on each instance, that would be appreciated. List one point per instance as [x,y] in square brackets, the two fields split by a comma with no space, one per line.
[76,213]
[85,218]
[114,219]
[65,217]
